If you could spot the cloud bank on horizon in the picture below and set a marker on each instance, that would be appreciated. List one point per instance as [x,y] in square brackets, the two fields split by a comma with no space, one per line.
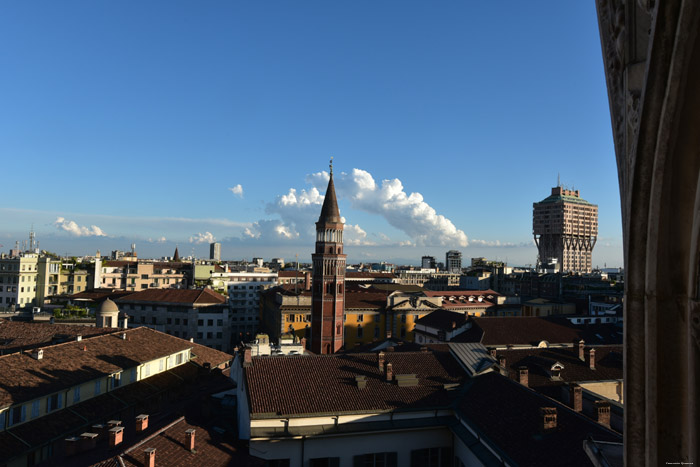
[76,230]
[409,213]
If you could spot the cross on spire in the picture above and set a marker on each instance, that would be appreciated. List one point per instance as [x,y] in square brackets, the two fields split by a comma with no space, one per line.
[331,165]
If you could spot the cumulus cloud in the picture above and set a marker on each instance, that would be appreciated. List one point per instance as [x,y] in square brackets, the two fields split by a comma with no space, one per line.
[157,240]
[355,235]
[274,230]
[78,230]
[205,237]
[237,190]
[407,212]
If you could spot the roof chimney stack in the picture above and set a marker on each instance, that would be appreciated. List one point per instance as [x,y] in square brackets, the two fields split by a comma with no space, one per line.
[581,350]
[549,418]
[78,338]
[149,455]
[591,359]
[247,357]
[389,372]
[576,397]
[502,360]
[380,358]
[523,375]
[141,422]
[38,354]
[189,439]
[603,412]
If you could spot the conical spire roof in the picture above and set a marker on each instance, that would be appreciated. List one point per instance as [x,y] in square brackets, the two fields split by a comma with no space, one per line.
[176,256]
[329,211]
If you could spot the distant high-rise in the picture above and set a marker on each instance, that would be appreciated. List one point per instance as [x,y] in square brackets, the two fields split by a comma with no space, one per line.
[215,251]
[565,228]
[453,261]
[428,262]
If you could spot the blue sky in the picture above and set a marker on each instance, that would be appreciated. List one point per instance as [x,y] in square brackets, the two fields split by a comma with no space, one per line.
[169,122]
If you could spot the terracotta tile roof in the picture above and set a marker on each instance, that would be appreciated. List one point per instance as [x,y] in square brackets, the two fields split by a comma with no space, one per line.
[203,356]
[443,320]
[170,443]
[290,274]
[22,378]
[189,296]
[326,383]
[538,361]
[100,294]
[502,331]
[18,335]
[364,299]
[459,293]
[369,275]
[508,415]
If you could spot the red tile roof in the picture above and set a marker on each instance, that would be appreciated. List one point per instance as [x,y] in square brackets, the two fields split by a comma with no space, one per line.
[189,296]
[170,443]
[502,331]
[443,320]
[18,335]
[363,299]
[538,361]
[459,293]
[326,383]
[23,378]
[508,415]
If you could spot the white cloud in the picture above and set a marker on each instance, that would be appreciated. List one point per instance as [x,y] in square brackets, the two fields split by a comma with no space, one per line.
[78,230]
[157,240]
[407,212]
[205,237]
[273,230]
[237,190]
[497,243]
[355,235]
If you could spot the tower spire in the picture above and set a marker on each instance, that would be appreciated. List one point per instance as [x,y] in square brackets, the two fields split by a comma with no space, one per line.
[331,166]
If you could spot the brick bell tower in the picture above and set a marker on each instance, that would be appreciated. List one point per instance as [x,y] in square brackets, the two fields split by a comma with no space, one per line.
[328,295]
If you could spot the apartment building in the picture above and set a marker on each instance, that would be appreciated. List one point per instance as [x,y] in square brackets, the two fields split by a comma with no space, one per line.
[202,315]
[140,275]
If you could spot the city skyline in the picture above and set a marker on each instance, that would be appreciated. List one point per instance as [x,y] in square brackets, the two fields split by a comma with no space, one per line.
[220,127]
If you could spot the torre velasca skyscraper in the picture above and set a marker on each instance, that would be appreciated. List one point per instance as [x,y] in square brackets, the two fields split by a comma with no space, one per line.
[328,284]
[565,227]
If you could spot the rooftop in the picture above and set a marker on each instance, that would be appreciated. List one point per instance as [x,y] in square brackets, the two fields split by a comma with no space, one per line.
[326,383]
[20,335]
[176,296]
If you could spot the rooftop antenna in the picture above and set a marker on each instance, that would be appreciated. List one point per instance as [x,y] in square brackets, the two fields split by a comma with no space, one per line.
[558,180]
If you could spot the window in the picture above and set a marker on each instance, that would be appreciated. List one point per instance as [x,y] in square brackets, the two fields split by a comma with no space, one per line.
[359,331]
[178,358]
[325,462]
[378,459]
[376,332]
[76,394]
[153,320]
[403,318]
[219,322]
[17,415]
[170,321]
[210,335]
[133,375]
[360,318]
[98,387]
[53,402]
[200,322]
[431,457]
[116,380]
[184,322]
[146,370]
[199,335]
[210,322]
[403,331]
[218,335]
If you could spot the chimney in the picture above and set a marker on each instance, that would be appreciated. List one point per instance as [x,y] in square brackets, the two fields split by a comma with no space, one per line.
[454,324]
[389,372]
[576,397]
[591,359]
[141,422]
[192,339]
[78,338]
[523,375]
[307,280]
[581,350]
[502,360]
[37,354]
[493,353]
[380,358]
[361,381]
[303,343]
[189,439]
[116,436]
[603,412]
[549,418]
[149,456]
[247,357]
[123,336]
[424,349]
